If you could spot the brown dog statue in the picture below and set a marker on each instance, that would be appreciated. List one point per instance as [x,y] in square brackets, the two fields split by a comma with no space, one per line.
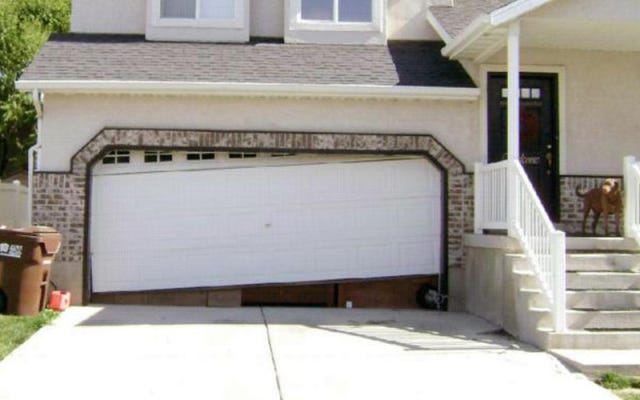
[606,200]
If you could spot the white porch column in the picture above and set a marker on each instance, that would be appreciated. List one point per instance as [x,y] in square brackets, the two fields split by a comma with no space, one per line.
[513,85]
[513,123]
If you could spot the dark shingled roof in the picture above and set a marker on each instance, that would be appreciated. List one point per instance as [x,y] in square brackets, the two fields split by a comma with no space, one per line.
[457,17]
[132,58]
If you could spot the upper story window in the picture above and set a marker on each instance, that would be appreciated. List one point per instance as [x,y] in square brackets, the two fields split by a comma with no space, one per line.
[336,15]
[198,13]
[336,10]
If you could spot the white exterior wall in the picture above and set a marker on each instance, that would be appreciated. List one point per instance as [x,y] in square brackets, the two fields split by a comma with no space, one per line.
[406,19]
[267,18]
[70,121]
[601,107]
[108,16]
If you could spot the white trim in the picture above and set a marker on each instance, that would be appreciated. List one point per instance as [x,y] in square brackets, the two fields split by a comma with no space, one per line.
[253,89]
[515,10]
[474,30]
[296,23]
[485,69]
[237,22]
[484,23]
[437,26]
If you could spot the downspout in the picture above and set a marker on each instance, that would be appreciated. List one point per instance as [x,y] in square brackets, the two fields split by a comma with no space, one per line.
[38,102]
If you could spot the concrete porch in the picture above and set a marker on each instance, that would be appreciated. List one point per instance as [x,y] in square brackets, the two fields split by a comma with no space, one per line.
[602,299]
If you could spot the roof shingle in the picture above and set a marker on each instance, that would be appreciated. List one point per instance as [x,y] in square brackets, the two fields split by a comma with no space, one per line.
[457,17]
[132,58]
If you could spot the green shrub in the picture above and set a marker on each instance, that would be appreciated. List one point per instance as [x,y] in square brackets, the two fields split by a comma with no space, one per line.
[613,381]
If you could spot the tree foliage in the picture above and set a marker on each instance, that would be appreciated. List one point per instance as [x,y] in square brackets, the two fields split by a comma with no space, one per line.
[24,26]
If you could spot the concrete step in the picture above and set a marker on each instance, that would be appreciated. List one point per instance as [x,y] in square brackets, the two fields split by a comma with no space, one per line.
[601,244]
[611,340]
[601,262]
[596,362]
[603,280]
[620,319]
[534,298]
[603,299]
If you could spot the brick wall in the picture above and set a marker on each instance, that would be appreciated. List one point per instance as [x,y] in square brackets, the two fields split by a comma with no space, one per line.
[60,198]
[571,205]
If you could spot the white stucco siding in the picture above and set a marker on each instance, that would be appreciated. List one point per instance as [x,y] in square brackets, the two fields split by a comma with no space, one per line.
[405,19]
[267,18]
[601,116]
[70,121]
[112,16]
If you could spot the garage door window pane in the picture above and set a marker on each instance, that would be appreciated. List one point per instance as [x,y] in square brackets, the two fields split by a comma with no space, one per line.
[178,9]
[317,10]
[355,11]
[217,9]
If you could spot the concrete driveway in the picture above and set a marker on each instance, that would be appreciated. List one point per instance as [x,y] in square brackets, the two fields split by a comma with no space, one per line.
[130,352]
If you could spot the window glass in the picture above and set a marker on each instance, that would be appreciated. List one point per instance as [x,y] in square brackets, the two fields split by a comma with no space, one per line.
[178,9]
[217,9]
[354,11]
[319,10]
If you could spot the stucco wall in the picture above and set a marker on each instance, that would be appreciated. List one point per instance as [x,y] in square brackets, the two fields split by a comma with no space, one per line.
[112,16]
[71,121]
[406,19]
[601,107]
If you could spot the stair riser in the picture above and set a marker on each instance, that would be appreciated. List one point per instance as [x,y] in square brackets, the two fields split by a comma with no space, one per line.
[603,320]
[603,281]
[604,340]
[603,300]
[603,262]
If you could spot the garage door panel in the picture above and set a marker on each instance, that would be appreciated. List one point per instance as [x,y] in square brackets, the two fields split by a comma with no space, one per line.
[265,224]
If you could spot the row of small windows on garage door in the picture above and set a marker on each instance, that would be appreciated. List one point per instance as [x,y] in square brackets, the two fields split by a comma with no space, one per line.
[125,156]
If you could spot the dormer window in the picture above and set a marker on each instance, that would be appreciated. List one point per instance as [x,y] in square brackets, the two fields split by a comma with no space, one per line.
[336,11]
[197,9]
[336,21]
[198,13]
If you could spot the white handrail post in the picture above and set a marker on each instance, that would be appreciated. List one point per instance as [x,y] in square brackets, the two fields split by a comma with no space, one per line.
[630,195]
[478,186]
[512,199]
[558,243]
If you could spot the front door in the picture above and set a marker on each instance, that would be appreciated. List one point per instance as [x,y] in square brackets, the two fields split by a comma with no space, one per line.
[538,131]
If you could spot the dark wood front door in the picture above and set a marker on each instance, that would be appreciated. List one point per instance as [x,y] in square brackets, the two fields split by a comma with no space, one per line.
[538,131]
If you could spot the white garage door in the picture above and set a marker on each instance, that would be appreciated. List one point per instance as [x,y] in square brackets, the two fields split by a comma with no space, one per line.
[247,221]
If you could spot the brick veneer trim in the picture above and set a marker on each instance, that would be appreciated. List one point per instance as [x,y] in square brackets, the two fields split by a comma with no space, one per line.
[60,199]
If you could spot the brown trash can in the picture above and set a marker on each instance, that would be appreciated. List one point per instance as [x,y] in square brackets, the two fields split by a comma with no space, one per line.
[26,255]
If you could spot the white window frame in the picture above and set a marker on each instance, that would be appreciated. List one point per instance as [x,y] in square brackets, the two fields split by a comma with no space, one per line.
[297,23]
[236,22]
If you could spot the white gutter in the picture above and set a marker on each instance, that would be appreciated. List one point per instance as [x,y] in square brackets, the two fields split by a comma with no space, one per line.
[38,102]
[251,89]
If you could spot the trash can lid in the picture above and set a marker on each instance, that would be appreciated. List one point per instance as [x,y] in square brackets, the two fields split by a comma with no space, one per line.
[46,235]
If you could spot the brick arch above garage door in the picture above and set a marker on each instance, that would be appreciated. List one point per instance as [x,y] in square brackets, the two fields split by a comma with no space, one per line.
[56,191]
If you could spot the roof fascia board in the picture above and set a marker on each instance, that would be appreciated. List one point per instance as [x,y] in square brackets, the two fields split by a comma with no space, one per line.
[486,22]
[437,26]
[474,30]
[251,89]
[515,10]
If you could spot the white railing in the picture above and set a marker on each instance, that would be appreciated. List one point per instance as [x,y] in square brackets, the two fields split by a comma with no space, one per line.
[490,194]
[632,198]
[13,204]
[506,199]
